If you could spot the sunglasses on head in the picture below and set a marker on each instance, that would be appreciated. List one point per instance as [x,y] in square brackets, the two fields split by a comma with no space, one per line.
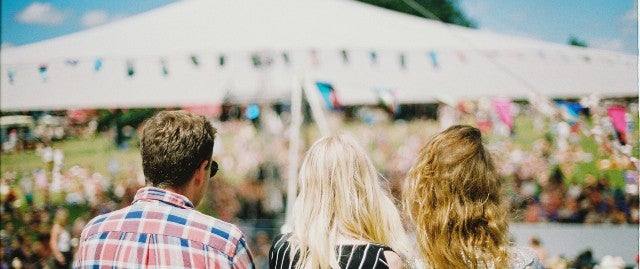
[213,168]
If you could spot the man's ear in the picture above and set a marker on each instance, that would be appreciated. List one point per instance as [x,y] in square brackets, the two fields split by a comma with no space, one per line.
[201,174]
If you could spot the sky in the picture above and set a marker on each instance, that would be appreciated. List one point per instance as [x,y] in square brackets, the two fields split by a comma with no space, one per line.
[603,24]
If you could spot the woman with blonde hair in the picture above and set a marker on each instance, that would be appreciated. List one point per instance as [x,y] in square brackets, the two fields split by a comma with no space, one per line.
[342,217]
[453,196]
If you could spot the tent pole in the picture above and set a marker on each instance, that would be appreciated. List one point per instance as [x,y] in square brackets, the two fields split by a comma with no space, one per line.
[294,145]
[316,108]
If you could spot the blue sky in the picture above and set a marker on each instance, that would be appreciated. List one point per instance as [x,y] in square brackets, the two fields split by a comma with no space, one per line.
[605,24]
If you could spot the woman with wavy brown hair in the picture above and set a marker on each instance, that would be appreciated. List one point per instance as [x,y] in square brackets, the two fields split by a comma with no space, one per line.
[453,196]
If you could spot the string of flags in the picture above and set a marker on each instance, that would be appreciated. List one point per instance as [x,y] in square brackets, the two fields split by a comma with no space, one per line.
[261,60]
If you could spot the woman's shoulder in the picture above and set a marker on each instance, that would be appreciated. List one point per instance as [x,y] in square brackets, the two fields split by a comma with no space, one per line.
[280,240]
[364,245]
[523,258]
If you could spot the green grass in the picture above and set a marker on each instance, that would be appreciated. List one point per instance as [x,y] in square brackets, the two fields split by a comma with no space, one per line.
[94,153]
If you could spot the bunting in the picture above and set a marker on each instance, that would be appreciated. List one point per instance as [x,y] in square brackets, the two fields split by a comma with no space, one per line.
[617,116]
[72,62]
[434,59]
[266,58]
[461,56]
[329,96]
[97,65]
[131,71]
[10,76]
[345,56]
[387,98]
[221,60]
[285,58]
[374,57]
[195,61]
[165,70]
[43,71]
[255,59]
[503,107]
[570,110]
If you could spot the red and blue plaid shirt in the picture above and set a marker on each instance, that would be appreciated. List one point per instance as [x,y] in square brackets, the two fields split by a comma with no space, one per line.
[161,229]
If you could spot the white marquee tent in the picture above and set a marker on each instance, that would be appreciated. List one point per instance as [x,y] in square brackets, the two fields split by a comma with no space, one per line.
[295,40]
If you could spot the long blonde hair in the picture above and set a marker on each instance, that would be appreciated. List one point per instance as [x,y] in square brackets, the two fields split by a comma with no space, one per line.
[340,195]
[453,196]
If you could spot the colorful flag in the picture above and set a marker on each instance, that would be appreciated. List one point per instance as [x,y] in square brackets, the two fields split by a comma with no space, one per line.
[255,59]
[97,65]
[461,56]
[345,56]
[194,60]
[130,68]
[503,106]
[570,110]
[72,62]
[43,71]
[165,70]
[617,116]
[11,75]
[434,59]
[388,99]
[329,95]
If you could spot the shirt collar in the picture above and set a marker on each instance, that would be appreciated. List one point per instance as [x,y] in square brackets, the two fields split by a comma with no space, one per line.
[162,195]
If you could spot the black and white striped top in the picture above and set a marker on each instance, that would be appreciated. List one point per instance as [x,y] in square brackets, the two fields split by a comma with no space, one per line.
[361,256]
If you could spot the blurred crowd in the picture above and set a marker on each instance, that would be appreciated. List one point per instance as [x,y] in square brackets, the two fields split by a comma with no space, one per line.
[541,178]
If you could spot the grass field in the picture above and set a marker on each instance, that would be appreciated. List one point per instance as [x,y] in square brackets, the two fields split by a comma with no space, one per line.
[95,152]
[92,152]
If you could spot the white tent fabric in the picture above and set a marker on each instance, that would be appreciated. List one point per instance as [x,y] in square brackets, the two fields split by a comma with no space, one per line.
[437,59]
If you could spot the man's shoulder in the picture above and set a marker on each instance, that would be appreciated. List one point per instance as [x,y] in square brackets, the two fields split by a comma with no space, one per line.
[172,221]
[216,226]
[94,224]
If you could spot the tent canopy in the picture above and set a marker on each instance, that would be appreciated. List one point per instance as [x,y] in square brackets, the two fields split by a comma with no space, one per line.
[203,51]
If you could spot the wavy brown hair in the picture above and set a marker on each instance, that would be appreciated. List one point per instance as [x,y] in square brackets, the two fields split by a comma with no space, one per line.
[453,196]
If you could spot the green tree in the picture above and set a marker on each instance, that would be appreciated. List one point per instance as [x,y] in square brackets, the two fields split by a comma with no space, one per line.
[574,41]
[444,10]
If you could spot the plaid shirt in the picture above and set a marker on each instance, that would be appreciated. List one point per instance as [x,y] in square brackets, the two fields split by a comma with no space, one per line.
[161,229]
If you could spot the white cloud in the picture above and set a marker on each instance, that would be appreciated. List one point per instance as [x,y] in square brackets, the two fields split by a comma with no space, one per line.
[42,13]
[94,17]
[631,15]
[629,22]
[474,8]
[608,44]
[519,16]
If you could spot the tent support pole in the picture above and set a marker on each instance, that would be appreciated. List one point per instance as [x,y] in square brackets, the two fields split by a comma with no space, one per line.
[294,145]
[316,108]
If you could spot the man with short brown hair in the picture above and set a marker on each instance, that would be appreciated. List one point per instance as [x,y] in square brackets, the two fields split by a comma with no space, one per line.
[161,228]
